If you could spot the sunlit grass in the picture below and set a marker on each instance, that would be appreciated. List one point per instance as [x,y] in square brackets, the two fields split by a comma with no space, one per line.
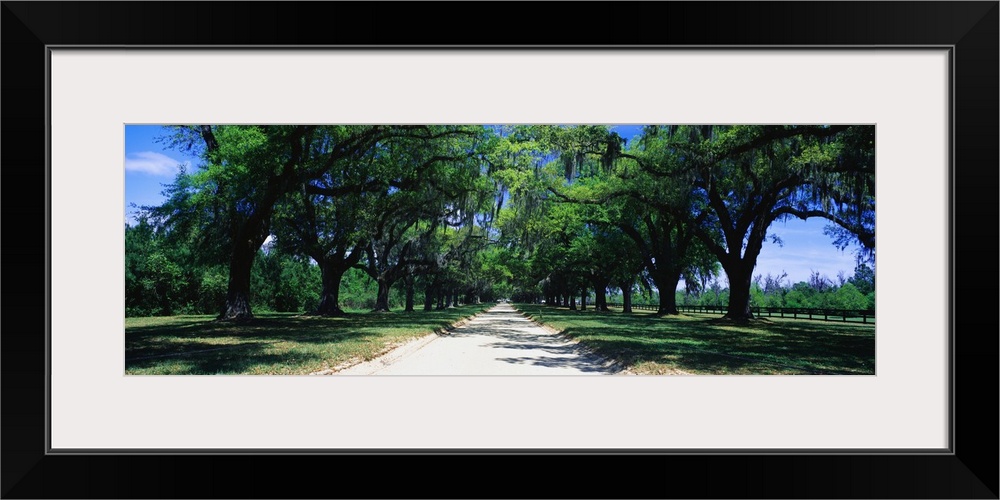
[694,343]
[274,343]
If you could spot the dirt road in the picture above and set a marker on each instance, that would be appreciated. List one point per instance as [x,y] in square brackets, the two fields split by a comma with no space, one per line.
[499,341]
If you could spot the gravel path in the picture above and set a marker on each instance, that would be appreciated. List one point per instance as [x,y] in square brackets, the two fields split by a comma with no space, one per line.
[499,341]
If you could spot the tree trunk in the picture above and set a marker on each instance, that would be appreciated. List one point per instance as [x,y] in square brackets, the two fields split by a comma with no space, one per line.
[668,303]
[409,296]
[237,306]
[333,265]
[572,302]
[329,302]
[583,299]
[382,299]
[739,274]
[600,296]
[429,298]
[667,287]
[627,297]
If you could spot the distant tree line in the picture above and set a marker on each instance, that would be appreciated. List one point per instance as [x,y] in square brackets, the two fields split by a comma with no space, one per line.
[819,292]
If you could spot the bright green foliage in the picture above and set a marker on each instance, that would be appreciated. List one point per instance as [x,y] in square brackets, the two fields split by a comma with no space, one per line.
[716,295]
[447,214]
[230,201]
[848,297]
[431,184]
[799,295]
[863,279]
[757,297]
[640,194]
[212,289]
[156,281]
[797,298]
[162,279]
[284,283]
[750,176]
[358,291]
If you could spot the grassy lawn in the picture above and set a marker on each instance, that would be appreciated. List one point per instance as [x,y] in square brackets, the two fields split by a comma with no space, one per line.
[274,343]
[696,344]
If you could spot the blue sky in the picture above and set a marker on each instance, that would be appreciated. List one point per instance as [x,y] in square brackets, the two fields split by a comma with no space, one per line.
[149,165]
[804,247]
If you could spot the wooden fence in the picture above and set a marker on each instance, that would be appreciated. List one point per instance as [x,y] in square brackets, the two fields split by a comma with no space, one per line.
[842,315]
[636,307]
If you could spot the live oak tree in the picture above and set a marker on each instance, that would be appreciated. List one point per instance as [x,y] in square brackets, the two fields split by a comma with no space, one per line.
[246,171]
[390,252]
[519,164]
[644,193]
[603,255]
[455,270]
[663,239]
[853,194]
[329,230]
[552,170]
[725,186]
[751,176]
[430,182]
[474,212]
[628,271]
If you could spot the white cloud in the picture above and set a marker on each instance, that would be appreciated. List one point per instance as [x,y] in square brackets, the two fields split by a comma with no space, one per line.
[153,163]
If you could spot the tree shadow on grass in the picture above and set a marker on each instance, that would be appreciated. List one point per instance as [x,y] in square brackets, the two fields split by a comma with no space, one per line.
[732,353]
[287,325]
[235,360]
[700,345]
[201,345]
[157,346]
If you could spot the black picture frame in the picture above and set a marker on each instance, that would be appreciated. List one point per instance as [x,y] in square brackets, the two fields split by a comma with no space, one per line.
[969,28]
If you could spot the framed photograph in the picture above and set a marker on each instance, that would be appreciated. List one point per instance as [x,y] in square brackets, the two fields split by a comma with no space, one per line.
[924,74]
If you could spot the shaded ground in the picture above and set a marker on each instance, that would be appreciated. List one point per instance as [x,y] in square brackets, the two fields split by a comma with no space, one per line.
[498,342]
[274,343]
[694,343]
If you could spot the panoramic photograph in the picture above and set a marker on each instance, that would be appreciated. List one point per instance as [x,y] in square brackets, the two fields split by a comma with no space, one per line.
[499,249]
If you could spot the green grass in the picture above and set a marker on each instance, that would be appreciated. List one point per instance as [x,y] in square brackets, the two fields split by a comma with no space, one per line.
[274,343]
[700,344]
